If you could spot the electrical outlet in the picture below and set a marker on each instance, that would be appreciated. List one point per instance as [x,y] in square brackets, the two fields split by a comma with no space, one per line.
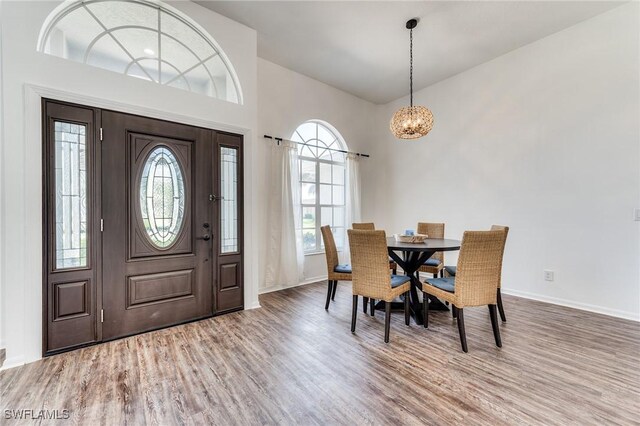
[548,275]
[636,215]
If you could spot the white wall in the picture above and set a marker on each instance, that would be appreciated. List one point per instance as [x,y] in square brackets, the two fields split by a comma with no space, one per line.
[22,69]
[544,139]
[285,100]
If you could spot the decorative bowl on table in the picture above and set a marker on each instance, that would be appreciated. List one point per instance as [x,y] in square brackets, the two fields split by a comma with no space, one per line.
[415,238]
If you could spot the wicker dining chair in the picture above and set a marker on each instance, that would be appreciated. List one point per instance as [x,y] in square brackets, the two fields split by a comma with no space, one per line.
[450,271]
[371,278]
[365,226]
[370,226]
[335,270]
[476,281]
[435,264]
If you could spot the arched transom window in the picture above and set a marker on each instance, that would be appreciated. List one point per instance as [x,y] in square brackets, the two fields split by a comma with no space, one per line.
[322,183]
[143,39]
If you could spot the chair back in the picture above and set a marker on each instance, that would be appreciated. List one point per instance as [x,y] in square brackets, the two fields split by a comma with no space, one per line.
[505,229]
[370,263]
[368,226]
[479,264]
[433,230]
[330,249]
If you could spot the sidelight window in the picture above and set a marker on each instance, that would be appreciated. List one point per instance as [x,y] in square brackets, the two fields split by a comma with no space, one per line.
[229,199]
[71,195]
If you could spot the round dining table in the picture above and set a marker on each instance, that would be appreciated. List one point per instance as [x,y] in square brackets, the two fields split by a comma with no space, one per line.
[410,257]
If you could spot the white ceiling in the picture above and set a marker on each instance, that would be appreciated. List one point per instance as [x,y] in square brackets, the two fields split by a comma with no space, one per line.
[362,47]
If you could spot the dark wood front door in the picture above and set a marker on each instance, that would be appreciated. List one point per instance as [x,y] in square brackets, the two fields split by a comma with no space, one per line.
[157,245]
[143,224]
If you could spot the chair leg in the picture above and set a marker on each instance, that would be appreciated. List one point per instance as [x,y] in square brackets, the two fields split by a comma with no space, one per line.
[425,309]
[501,308]
[365,303]
[372,308]
[329,288]
[406,308]
[387,320]
[441,273]
[335,287]
[354,313]
[494,324]
[395,270]
[454,312]
[463,336]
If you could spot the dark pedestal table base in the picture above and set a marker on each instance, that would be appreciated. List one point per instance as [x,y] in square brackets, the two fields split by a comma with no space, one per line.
[410,262]
[398,305]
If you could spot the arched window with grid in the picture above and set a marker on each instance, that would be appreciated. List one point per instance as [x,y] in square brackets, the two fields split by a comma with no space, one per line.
[322,182]
[146,39]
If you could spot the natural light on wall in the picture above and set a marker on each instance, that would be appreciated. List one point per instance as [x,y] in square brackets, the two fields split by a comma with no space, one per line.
[143,39]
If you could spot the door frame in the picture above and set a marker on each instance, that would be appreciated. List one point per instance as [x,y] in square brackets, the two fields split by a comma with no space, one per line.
[33,154]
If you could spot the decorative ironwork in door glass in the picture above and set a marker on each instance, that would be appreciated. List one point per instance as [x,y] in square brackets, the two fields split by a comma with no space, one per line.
[229,200]
[71,195]
[162,197]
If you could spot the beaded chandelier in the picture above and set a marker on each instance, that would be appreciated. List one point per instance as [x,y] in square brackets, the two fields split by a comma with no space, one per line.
[411,122]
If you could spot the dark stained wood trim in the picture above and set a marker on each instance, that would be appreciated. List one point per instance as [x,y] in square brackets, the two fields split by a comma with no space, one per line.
[97,205]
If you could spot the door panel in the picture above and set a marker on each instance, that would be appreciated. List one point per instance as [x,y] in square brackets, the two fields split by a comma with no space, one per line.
[229,210]
[157,267]
[159,288]
[71,300]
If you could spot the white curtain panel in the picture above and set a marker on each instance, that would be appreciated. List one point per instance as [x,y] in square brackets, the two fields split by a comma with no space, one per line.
[285,257]
[352,201]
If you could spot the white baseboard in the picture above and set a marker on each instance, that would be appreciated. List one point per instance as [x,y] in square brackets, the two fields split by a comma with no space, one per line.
[526,295]
[15,361]
[633,316]
[254,305]
[283,287]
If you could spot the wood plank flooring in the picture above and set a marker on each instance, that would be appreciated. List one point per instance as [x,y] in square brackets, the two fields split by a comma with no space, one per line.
[292,362]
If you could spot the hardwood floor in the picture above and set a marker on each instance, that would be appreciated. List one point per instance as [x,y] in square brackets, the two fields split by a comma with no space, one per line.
[292,362]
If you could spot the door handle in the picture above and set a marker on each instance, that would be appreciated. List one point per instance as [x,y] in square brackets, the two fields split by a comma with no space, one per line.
[215,197]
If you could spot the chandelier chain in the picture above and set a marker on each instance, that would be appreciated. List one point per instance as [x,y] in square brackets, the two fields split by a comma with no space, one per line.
[411,65]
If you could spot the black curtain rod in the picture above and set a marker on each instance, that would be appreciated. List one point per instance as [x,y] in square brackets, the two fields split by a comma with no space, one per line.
[330,149]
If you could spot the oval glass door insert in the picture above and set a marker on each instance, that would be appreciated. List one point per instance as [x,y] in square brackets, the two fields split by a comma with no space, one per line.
[162,197]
